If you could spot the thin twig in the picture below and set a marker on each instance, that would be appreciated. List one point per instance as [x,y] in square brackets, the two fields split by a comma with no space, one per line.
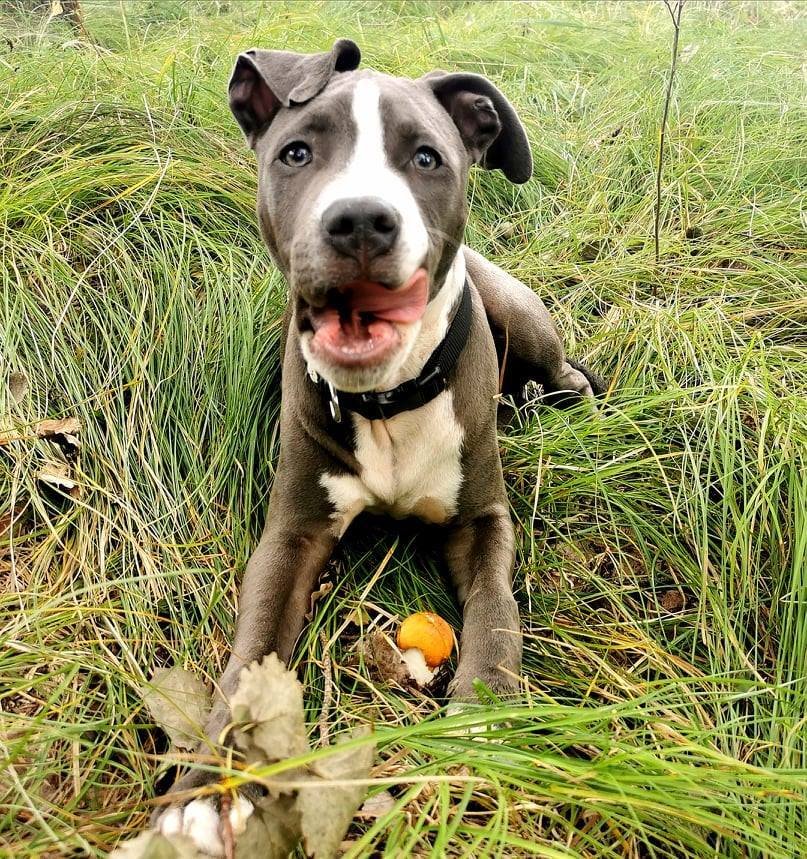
[504,357]
[675,14]
[327,693]
[226,826]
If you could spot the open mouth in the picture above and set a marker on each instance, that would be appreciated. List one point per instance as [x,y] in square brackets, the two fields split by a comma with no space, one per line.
[357,327]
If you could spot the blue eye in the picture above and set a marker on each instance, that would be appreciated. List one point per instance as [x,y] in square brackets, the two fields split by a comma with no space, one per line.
[296,154]
[427,159]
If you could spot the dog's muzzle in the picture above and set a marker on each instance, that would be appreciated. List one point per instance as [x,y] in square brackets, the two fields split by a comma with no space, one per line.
[432,381]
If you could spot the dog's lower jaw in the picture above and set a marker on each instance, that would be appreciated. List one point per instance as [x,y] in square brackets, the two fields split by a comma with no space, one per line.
[361,378]
[433,325]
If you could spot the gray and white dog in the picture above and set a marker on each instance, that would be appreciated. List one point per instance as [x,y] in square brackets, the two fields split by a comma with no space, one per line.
[394,341]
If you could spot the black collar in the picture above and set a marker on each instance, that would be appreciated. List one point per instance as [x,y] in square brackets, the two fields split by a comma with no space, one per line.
[433,378]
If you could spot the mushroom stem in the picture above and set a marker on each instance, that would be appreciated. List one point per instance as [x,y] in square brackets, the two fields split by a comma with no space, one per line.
[416,662]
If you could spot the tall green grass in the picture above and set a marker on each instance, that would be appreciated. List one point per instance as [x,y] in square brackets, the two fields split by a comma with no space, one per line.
[661,566]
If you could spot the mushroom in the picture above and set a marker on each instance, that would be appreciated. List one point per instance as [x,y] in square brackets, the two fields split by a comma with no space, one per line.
[425,641]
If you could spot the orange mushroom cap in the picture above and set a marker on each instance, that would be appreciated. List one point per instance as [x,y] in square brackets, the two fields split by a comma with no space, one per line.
[430,634]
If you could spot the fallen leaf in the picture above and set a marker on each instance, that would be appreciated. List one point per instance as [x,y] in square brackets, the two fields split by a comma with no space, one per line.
[63,431]
[272,830]
[322,591]
[327,809]
[385,660]
[268,708]
[57,474]
[378,805]
[672,601]
[61,426]
[178,702]
[17,387]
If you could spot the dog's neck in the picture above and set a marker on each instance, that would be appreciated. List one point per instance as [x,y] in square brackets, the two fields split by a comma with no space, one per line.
[433,325]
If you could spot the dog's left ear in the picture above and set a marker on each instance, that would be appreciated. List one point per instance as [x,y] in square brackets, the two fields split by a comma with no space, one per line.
[488,124]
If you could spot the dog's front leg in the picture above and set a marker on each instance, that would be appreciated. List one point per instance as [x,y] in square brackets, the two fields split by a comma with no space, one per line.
[480,554]
[275,595]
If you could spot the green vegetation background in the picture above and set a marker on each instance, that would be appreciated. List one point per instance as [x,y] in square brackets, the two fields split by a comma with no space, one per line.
[661,564]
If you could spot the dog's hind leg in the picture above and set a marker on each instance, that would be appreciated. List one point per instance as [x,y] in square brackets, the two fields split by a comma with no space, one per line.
[527,342]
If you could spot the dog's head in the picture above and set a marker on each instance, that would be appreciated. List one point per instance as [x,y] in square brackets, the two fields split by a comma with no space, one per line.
[361,198]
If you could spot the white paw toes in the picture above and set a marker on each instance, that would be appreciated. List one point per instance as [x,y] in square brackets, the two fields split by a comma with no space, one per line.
[170,823]
[199,821]
[240,813]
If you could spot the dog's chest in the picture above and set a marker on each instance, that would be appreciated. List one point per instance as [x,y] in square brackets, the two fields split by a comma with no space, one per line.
[410,466]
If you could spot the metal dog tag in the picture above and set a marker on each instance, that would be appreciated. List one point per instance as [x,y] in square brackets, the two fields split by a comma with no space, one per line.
[333,403]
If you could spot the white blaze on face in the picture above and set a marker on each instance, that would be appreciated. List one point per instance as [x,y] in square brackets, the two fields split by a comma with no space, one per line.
[368,174]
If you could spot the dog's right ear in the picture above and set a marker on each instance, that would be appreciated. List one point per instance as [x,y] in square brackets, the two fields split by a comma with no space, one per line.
[264,81]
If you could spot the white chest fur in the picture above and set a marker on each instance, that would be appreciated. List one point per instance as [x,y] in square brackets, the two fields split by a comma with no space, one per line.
[410,466]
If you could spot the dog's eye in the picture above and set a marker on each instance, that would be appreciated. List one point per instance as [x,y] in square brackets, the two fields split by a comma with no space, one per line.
[296,154]
[427,159]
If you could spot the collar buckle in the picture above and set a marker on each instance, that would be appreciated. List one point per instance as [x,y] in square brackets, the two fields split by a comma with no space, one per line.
[382,398]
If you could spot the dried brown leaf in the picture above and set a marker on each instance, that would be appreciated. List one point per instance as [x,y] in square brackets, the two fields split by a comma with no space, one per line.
[385,659]
[322,591]
[17,387]
[64,431]
[272,830]
[60,426]
[268,712]
[57,474]
[672,601]
[377,805]
[178,702]
[268,708]
[326,810]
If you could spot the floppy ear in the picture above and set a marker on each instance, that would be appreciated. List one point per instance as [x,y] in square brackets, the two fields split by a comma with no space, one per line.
[488,124]
[264,81]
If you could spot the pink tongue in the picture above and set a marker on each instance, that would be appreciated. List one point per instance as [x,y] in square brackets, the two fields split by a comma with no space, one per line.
[406,304]
[400,305]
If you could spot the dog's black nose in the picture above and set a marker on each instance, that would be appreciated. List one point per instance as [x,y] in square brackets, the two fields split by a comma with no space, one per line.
[362,227]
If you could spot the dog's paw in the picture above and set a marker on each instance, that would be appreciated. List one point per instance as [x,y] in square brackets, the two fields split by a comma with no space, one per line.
[200,821]
[476,727]
[462,688]
[596,382]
